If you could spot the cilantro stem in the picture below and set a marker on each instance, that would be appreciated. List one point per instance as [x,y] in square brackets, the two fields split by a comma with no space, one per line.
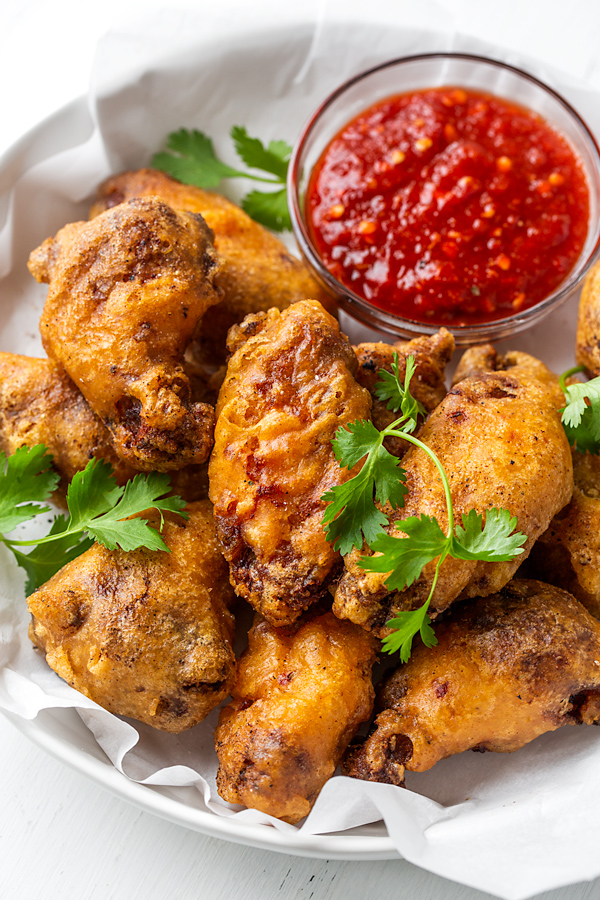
[44,540]
[390,430]
[563,378]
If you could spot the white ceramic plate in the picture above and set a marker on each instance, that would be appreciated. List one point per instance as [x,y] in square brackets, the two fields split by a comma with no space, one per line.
[269,80]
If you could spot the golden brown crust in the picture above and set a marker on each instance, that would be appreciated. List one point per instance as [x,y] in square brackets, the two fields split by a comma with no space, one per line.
[587,342]
[431,355]
[144,634]
[258,271]
[39,404]
[126,292]
[287,390]
[300,696]
[568,553]
[506,669]
[501,443]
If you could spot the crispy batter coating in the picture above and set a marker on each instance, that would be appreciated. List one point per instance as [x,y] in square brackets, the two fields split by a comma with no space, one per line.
[258,271]
[431,354]
[287,390]
[39,404]
[587,342]
[506,669]
[126,292]
[499,438]
[568,553]
[300,696]
[144,634]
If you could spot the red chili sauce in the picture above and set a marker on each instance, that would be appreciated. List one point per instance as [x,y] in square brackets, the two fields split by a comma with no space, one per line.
[449,207]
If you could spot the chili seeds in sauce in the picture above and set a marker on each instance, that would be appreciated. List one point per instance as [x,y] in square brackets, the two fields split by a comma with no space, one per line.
[449,206]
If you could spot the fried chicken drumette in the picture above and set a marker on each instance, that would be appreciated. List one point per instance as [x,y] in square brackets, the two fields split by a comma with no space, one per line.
[39,404]
[258,271]
[144,634]
[300,696]
[289,386]
[499,438]
[568,553]
[587,342]
[431,355]
[506,669]
[126,292]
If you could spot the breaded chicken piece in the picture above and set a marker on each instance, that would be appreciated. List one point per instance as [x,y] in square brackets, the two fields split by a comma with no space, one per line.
[587,342]
[300,696]
[144,634]
[431,354]
[499,438]
[39,404]
[506,669]
[568,553]
[258,271]
[126,292]
[288,388]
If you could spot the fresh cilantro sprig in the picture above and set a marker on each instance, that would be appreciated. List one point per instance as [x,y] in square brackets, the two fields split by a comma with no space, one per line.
[354,515]
[98,510]
[581,415]
[190,157]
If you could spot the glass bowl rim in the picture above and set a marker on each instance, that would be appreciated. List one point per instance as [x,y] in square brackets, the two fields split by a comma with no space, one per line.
[367,313]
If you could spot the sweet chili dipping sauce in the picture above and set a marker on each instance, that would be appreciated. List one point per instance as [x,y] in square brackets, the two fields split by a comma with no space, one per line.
[449,207]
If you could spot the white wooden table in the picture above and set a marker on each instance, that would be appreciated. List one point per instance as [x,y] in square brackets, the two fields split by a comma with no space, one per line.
[61,836]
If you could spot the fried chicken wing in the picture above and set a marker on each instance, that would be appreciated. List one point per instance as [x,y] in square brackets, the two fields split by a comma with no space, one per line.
[126,292]
[499,438]
[39,404]
[568,553]
[287,390]
[431,354]
[300,696]
[258,271]
[506,669]
[587,342]
[144,634]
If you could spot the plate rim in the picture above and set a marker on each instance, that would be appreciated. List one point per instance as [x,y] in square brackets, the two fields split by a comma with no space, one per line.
[349,846]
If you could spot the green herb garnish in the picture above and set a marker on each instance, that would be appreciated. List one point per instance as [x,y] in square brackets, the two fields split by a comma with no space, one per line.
[581,415]
[354,516]
[98,510]
[190,157]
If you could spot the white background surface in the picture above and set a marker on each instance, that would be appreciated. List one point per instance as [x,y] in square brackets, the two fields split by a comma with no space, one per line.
[60,835]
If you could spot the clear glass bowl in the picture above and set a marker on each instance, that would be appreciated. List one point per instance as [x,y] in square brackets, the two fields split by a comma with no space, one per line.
[416,73]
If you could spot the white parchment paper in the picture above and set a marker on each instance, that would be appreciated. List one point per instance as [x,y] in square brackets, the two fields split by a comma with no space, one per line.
[512,825]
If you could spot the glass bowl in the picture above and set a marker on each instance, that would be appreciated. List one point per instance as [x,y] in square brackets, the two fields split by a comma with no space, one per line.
[427,71]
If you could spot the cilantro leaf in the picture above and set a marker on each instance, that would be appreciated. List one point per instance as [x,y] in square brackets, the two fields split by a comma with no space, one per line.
[269,209]
[190,158]
[45,560]
[496,541]
[354,441]
[407,625]
[115,529]
[405,558]
[398,396]
[352,516]
[96,506]
[581,415]
[94,488]
[274,158]
[26,480]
